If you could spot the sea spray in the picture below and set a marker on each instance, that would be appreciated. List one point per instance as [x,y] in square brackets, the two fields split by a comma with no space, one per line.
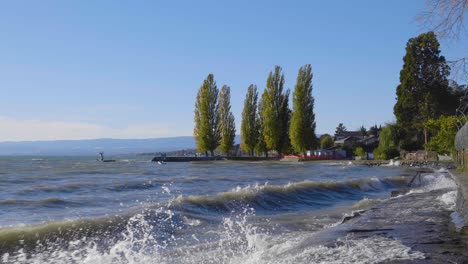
[212,213]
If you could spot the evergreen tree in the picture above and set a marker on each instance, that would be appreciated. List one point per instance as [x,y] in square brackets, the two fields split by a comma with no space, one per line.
[206,131]
[363,131]
[374,130]
[249,126]
[340,129]
[423,92]
[302,129]
[226,124]
[275,112]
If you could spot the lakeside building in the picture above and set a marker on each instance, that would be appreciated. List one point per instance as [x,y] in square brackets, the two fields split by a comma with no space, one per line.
[349,140]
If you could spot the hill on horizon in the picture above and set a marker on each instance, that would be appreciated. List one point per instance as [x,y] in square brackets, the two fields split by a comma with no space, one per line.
[93,146]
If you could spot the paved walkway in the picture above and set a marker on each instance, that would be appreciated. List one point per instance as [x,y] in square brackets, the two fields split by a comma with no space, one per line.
[462,200]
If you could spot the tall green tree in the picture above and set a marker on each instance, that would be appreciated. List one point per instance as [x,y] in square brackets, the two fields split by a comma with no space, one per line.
[302,128]
[249,126]
[423,92]
[275,112]
[261,146]
[206,131]
[226,124]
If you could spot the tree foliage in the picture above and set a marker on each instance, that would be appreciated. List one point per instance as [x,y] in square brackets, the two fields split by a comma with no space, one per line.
[326,141]
[374,130]
[249,125]
[443,130]
[275,112]
[206,131]
[226,124]
[302,128]
[363,131]
[388,143]
[340,129]
[423,92]
[261,146]
[359,151]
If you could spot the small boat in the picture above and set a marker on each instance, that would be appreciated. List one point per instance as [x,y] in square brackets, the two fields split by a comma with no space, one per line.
[101,158]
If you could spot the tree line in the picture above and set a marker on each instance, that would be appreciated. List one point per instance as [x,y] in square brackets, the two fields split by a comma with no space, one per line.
[425,110]
[427,102]
[267,122]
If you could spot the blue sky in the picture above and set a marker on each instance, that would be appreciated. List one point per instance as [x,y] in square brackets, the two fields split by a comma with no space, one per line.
[131,69]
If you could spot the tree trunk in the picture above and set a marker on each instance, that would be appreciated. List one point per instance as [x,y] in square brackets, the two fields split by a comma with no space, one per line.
[425,135]
[206,153]
[212,153]
[266,153]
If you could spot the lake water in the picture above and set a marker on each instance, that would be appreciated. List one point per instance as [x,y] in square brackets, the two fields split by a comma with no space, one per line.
[78,210]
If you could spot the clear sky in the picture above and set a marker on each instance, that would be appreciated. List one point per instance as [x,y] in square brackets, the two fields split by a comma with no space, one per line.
[131,69]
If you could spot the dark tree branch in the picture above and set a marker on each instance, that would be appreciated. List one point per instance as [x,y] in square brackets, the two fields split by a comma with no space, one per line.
[445,17]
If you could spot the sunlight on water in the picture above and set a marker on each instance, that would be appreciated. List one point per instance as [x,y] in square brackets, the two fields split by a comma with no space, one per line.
[185,214]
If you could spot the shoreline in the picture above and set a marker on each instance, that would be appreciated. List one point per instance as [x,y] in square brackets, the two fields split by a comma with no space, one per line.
[462,196]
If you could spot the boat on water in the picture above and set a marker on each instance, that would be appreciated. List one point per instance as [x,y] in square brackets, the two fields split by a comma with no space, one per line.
[101,158]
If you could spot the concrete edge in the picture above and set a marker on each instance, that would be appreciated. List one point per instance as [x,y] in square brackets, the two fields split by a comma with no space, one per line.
[462,193]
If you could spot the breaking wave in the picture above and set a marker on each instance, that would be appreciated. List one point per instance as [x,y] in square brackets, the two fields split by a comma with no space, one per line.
[285,197]
[236,241]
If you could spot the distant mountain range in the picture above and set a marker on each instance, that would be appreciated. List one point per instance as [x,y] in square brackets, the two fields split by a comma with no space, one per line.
[93,146]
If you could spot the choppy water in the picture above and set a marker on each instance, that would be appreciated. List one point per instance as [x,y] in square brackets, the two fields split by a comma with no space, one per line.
[77,210]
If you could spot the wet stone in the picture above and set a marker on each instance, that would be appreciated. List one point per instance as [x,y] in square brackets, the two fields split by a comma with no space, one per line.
[419,221]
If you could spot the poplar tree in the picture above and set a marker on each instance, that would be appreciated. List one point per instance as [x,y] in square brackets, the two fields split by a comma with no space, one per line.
[206,131]
[261,146]
[226,124]
[423,92]
[275,112]
[249,126]
[302,129]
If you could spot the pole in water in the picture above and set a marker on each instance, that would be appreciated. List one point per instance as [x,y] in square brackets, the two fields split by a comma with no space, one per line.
[414,178]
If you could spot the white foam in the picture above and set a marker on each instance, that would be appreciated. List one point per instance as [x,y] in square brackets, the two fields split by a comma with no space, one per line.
[239,242]
[433,182]
[166,189]
[374,249]
[449,199]
[392,163]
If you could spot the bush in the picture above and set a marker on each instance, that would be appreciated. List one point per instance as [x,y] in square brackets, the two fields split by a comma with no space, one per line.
[359,151]
[326,141]
[387,148]
[386,154]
